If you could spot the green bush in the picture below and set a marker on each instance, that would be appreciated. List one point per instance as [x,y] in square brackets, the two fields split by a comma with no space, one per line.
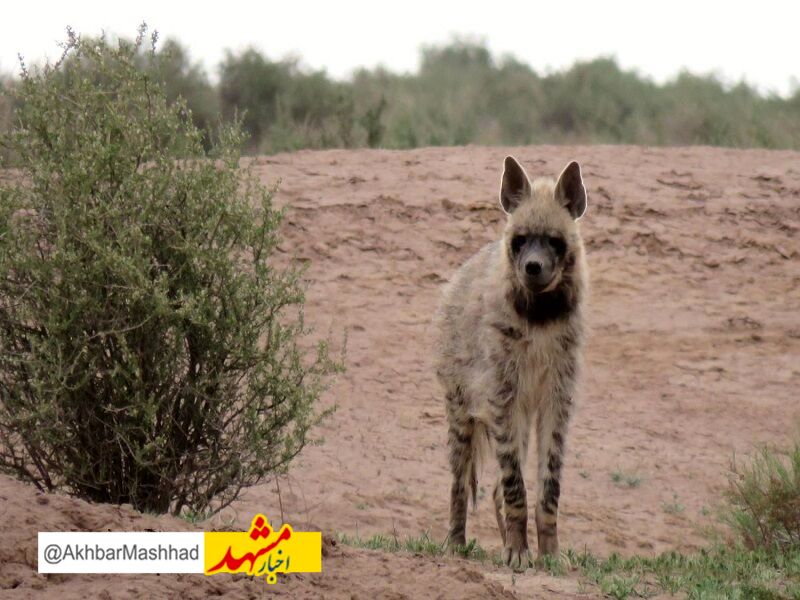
[283,107]
[764,498]
[249,88]
[151,350]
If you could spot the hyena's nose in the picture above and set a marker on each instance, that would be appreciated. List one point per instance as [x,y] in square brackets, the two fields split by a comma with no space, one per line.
[533,268]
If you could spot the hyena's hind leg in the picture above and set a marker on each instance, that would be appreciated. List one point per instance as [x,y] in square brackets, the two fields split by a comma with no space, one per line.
[461,434]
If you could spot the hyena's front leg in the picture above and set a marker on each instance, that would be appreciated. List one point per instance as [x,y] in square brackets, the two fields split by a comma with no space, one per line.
[510,455]
[497,494]
[551,426]
[460,433]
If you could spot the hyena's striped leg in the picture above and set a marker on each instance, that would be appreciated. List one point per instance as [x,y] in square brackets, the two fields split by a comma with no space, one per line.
[497,495]
[551,426]
[460,433]
[509,454]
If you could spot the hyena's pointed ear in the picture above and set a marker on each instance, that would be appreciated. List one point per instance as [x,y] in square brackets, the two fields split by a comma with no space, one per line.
[570,191]
[514,186]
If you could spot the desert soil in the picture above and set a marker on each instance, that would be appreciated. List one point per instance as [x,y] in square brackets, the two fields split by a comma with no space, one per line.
[693,356]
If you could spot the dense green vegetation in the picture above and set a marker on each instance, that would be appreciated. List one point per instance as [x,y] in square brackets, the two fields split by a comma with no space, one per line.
[463,94]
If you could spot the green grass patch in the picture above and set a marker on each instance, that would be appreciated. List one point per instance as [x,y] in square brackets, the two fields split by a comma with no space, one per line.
[421,544]
[764,499]
[719,572]
[626,480]
[674,507]
[194,516]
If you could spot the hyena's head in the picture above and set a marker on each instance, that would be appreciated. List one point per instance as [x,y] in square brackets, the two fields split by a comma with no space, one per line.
[541,237]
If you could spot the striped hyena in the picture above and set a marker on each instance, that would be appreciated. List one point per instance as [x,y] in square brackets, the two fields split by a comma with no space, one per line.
[510,334]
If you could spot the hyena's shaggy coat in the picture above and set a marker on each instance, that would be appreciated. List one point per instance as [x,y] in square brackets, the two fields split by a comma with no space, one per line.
[510,333]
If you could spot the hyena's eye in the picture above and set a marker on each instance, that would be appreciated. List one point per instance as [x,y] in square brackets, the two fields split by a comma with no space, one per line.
[517,242]
[558,245]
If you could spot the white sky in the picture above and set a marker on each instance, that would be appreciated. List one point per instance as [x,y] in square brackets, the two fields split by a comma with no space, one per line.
[755,41]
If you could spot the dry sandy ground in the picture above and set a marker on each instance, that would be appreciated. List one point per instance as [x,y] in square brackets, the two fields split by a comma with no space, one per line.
[694,355]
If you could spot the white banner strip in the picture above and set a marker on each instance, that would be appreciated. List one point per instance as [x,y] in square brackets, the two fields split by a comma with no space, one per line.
[121,552]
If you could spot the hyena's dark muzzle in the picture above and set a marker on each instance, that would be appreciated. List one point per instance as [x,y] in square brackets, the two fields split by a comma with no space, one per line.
[537,260]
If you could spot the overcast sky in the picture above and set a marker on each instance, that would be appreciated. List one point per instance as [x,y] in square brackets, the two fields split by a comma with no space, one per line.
[755,41]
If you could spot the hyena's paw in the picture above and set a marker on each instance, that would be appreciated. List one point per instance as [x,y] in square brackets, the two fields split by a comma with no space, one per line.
[547,536]
[548,547]
[455,544]
[518,559]
[516,553]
